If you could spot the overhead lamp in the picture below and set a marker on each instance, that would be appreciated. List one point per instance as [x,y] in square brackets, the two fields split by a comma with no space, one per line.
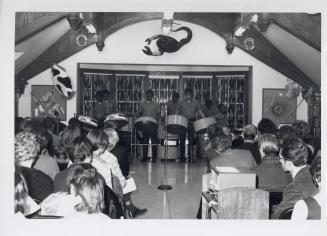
[167,22]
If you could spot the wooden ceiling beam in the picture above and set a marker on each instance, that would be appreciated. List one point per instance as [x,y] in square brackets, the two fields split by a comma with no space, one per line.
[267,53]
[66,46]
[30,23]
[222,24]
[304,26]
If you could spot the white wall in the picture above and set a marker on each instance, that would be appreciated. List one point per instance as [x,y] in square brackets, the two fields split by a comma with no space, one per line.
[206,48]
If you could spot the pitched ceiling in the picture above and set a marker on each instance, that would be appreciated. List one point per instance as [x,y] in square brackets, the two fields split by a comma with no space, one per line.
[290,45]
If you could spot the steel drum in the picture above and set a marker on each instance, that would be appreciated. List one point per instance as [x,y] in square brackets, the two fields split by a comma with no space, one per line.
[88,122]
[146,123]
[200,126]
[177,124]
[117,119]
[162,134]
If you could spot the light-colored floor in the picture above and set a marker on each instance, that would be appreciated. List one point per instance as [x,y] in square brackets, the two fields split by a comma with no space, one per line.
[181,202]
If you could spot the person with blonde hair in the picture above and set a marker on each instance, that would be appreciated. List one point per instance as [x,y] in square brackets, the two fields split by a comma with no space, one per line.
[105,162]
[27,147]
[88,185]
[249,143]
[123,159]
[270,173]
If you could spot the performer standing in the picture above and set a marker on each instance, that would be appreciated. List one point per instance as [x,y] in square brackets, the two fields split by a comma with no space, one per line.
[189,108]
[149,108]
[104,105]
[172,104]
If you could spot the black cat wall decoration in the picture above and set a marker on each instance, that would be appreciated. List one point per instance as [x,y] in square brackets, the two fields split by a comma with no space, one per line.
[159,44]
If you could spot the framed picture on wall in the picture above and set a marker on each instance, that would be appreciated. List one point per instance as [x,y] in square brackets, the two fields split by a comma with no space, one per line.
[277,107]
[46,101]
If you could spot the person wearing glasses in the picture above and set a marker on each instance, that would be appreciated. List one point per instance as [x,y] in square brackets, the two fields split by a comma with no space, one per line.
[295,154]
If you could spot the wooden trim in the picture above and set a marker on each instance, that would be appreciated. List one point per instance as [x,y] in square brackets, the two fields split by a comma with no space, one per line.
[36,26]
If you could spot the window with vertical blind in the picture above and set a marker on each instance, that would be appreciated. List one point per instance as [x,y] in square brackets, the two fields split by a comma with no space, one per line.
[127,85]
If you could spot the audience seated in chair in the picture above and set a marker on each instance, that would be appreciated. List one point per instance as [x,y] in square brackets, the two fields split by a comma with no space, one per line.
[270,173]
[123,159]
[88,185]
[24,204]
[249,135]
[105,162]
[295,155]
[227,157]
[39,185]
[45,161]
[310,208]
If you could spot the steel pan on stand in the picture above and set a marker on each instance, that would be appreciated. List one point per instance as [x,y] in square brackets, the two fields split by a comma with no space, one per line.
[145,124]
[116,119]
[88,122]
[200,126]
[177,124]
[169,141]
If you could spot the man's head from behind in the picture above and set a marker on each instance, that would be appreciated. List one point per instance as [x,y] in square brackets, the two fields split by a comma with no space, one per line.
[249,132]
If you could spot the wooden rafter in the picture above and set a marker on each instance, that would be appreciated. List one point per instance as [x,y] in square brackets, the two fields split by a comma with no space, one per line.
[223,24]
[303,26]
[271,56]
[28,24]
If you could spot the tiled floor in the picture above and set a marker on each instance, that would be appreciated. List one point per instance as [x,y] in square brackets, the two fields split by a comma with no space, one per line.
[181,202]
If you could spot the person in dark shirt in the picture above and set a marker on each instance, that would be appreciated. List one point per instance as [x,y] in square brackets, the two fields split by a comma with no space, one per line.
[27,147]
[249,135]
[295,156]
[172,104]
[189,108]
[149,108]
[104,105]
[270,173]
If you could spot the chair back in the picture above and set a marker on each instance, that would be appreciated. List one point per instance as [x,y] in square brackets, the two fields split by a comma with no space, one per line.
[287,214]
[243,203]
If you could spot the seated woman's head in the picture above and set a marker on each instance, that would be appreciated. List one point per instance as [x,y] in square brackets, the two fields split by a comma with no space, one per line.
[86,183]
[267,126]
[69,134]
[27,148]
[285,132]
[295,151]
[81,150]
[99,139]
[221,139]
[268,144]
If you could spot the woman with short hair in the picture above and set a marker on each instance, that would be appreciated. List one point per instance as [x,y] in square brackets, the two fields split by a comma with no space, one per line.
[105,162]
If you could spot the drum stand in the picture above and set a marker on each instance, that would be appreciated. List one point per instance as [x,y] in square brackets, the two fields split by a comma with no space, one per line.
[165,187]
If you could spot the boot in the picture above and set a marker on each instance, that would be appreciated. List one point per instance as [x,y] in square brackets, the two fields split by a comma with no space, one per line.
[135,211]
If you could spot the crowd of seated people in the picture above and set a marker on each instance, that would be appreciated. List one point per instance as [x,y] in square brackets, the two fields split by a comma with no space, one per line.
[70,172]
[74,172]
[283,167]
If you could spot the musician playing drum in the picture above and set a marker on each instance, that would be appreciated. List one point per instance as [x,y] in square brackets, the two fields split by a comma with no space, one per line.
[149,108]
[189,108]
[172,104]
[104,105]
